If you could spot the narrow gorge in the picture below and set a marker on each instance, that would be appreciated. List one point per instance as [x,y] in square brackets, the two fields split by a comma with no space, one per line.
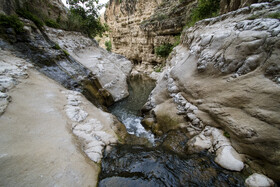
[186,94]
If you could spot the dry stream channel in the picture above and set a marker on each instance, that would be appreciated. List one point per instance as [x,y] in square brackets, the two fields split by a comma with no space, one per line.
[152,164]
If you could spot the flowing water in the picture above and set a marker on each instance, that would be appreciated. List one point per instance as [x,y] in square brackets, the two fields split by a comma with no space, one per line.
[135,165]
[128,110]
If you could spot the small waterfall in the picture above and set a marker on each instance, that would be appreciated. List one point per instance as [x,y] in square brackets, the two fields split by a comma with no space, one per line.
[128,110]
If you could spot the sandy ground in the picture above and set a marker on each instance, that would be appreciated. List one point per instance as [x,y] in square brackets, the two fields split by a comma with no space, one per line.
[36,144]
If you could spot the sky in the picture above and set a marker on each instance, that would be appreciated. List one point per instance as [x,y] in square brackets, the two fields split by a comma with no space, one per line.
[100,1]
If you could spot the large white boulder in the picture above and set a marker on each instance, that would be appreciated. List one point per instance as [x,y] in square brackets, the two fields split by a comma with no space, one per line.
[228,158]
[258,180]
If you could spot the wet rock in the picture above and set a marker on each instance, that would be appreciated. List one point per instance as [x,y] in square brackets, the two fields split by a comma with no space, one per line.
[131,165]
[257,180]
[167,118]
[148,122]
[175,141]
[112,70]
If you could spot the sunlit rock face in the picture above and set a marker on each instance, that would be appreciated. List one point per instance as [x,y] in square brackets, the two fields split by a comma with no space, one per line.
[138,27]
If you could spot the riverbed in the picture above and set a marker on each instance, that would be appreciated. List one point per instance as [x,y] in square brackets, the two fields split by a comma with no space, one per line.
[140,165]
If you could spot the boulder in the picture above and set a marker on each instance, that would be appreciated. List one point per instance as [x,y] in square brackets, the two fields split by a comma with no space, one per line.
[227,67]
[110,69]
[256,180]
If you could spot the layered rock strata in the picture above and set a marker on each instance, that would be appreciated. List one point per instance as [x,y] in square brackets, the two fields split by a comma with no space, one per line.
[226,75]
[138,27]
[54,9]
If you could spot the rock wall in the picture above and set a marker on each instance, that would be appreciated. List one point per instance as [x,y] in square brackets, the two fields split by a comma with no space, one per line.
[54,9]
[226,75]
[112,70]
[137,27]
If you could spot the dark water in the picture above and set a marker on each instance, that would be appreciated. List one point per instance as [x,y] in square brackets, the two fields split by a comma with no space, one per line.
[134,165]
[139,166]
[128,110]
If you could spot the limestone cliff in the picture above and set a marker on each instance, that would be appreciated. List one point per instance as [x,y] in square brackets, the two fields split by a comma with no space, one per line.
[225,74]
[137,27]
[54,9]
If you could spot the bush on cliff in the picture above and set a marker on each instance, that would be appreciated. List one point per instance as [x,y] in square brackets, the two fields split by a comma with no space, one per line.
[108,45]
[52,23]
[25,13]
[164,50]
[204,9]
[83,17]
[11,22]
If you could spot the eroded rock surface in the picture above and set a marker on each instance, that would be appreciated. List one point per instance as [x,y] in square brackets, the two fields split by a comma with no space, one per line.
[37,144]
[12,70]
[226,75]
[92,126]
[112,70]
[37,147]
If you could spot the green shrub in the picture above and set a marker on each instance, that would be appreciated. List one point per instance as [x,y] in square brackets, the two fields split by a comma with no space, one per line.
[177,40]
[65,52]
[226,134]
[158,68]
[254,17]
[275,15]
[164,50]
[85,20]
[56,47]
[12,22]
[204,9]
[28,15]
[51,23]
[161,17]
[108,45]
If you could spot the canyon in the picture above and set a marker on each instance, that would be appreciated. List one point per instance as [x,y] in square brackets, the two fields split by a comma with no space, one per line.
[65,118]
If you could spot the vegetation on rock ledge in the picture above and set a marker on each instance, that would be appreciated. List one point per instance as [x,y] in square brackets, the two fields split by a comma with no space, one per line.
[108,45]
[165,49]
[204,9]
[12,22]
[83,17]
[25,13]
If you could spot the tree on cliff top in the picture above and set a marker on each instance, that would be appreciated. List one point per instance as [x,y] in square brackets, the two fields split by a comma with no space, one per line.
[84,17]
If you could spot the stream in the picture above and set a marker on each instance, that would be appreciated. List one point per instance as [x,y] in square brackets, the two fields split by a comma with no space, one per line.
[128,110]
[138,165]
